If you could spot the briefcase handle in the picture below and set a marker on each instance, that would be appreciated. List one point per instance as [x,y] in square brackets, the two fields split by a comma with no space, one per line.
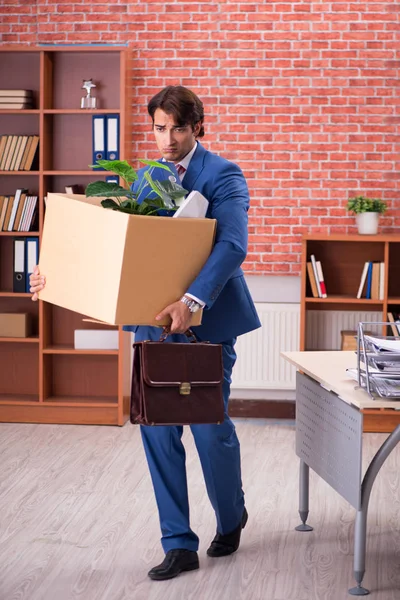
[189,333]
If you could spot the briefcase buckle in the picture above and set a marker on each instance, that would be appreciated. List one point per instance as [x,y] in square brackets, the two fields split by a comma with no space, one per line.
[184,388]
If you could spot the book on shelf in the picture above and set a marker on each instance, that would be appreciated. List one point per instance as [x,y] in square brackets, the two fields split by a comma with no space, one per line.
[30,215]
[321,279]
[369,281]
[19,212]
[394,327]
[311,278]
[381,281]
[363,280]
[16,99]
[375,281]
[20,94]
[17,206]
[15,106]
[372,282]
[315,271]
[3,209]
[17,152]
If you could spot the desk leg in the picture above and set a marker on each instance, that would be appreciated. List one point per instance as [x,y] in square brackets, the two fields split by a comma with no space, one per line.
[304,496]
[360,533]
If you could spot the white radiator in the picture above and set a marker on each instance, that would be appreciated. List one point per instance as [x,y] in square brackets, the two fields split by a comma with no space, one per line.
[259,365]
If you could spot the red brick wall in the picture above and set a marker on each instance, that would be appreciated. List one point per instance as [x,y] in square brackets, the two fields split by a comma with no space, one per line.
[303,95]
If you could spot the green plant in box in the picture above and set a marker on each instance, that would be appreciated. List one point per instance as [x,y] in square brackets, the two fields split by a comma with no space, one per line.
[123,199]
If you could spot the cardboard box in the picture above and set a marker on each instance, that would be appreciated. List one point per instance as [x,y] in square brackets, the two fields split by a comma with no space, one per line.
[349,339]
[16,325]
[119,268]
[96,339]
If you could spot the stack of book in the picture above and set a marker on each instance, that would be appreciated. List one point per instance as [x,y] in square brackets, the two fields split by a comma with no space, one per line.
[19,212]
[316,277]
[17,152]
[372,283]
[16,99]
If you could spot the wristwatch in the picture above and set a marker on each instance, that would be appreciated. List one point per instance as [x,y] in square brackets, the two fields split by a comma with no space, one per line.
[192,305]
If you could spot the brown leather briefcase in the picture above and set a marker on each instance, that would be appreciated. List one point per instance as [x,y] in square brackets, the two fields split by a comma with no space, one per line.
[177,383]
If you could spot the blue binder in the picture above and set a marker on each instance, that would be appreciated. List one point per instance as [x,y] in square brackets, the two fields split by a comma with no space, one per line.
[31,258]
[99,139]
[112,137]
[19,274]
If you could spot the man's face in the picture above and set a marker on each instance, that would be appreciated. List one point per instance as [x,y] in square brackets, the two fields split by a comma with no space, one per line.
[173,142]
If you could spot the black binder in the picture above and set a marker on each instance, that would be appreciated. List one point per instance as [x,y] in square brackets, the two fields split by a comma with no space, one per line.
[19,275]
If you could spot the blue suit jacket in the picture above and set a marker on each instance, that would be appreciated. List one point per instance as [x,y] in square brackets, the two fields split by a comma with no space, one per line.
[229,310]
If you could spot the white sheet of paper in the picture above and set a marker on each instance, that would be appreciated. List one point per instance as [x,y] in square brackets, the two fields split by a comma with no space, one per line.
[383,344]
[194,206]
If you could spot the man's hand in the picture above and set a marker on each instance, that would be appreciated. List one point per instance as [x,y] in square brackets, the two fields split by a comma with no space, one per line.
[36,282]
[180,314]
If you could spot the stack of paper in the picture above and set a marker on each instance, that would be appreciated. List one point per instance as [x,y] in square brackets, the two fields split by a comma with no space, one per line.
[383,344]
[383,366]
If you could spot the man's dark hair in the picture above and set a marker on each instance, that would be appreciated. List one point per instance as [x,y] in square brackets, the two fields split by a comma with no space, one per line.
[182,103]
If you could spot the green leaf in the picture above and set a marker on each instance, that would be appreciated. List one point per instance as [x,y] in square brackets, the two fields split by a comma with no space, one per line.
[119,167]
[173,189]
[166,199]
[127,203]
[167,190]
[108,203]
[157,202]
[103,188]
[155,163]
[147,210]
[361,204]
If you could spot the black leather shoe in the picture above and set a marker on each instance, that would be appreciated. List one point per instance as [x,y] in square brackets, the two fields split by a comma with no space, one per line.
[175,562]
[223,545]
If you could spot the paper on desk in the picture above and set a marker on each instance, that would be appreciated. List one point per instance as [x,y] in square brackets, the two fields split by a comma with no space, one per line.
[353,373]
[385,387]
[194,206]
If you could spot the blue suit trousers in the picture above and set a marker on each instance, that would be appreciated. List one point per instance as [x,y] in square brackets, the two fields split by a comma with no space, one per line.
[219,451]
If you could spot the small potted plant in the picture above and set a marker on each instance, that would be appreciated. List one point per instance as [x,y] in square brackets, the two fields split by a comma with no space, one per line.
[367,211]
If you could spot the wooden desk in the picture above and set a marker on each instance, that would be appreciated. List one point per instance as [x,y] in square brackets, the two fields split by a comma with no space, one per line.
[329,428]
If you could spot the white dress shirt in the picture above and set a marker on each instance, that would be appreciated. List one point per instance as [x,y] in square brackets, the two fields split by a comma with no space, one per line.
[184,162]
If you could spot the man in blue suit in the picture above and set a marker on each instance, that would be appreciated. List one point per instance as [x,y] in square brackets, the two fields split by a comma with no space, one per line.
[177,115]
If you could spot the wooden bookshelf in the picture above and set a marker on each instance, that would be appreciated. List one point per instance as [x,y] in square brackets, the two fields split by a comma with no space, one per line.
[342,258]
[43,378]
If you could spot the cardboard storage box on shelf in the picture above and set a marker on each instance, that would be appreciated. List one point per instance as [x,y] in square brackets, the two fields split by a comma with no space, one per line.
[16,325]
[119,268]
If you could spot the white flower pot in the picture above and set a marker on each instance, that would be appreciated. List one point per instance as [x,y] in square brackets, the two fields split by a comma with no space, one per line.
[367,223]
